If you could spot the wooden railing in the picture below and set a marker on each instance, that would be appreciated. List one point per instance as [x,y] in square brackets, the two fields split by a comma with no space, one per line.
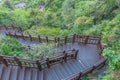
[40,64]
[77,76]
[12,27]
[63,40]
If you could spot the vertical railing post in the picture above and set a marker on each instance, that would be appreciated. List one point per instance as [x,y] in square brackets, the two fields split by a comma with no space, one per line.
[20,29]
[22,36]
[30,37]
[73,38]
[5,26]
[18,62]
[16,35]
[55,40]
[39,65]
[65,56]
[46,39]
[58,39]
[47,62]
[3,60]
[79,75]
[39,38]
[76,53]
[66,37]
[86,39]
[12,26]
[10,34]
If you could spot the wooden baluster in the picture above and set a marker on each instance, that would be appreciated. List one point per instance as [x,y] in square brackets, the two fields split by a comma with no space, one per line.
[30,37]
[16,35]
[13,27]
[47,62]
[76,53]
[5,26]
[66,39]
[39,65]
[6,33]
[18,62]
[86,39]
[22,36]
[20,29]
[73,39]
[47,39]
[65,56]
[9,34]
[39,38]
[80,75]
[3,60]
[58,39]
[55,40]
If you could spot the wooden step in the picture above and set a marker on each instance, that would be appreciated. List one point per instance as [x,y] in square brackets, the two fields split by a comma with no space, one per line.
[58,71]
[1,70]
[28,73]
[34,74]
[40,75]
[14,73]
[21,73]
[56,75]
[6,73]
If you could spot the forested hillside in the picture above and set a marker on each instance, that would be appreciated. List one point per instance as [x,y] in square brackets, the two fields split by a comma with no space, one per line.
[65,17]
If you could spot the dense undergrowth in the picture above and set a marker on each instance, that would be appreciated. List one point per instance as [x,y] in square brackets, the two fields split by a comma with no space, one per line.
[66,17]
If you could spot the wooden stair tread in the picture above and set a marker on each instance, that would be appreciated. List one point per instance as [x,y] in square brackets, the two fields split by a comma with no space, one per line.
[1,70]
[28,73]
[21,73]
[7,73]
[34,74]
[14,73]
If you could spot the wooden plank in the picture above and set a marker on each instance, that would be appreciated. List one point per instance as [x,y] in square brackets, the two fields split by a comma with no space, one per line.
[1,70]
[21,73]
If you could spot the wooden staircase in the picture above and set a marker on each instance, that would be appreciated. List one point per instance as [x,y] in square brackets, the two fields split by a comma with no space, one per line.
[17,73]
[13,68]
[70,65]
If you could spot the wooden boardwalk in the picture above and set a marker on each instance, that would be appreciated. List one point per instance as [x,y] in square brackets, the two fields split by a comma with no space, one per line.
[89,58]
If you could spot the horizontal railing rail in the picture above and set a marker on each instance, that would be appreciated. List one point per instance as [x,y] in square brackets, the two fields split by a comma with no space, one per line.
[63,40]
[97,65]
[40,64]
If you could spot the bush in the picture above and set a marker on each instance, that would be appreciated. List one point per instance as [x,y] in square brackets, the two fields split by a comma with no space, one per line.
[113,57]
[42,51]
[10,46]
[45,31]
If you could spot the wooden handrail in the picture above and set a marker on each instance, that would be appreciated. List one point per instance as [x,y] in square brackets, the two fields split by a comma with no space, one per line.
[74,38]
[86,71]
[11,60]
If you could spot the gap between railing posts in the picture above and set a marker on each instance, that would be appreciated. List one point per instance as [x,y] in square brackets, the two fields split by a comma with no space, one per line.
[39,65]
[18,62]
[39,38]
[5,26]
[16,35]
[3,60]
[13,27]
[30,37]
[22,36]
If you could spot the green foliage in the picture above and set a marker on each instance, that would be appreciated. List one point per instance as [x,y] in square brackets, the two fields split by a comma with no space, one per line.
[82,24]
[41,52]
[21,17]
[114,59]
[10,46]
[53,32]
